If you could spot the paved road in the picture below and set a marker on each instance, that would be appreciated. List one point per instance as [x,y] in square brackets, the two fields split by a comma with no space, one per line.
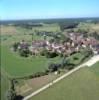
[92,61]
[89,63]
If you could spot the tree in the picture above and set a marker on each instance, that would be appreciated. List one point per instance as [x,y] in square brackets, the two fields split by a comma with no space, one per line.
[53,67]
[24,52]
[66,64]
[45,37]
[15,46]
[95,35]
[32,36]
[11,95]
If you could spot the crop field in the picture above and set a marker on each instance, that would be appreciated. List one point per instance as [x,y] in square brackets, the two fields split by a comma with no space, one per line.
[81,85]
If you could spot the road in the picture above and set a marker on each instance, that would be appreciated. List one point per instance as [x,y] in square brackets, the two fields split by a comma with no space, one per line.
[89,63]
[92,61]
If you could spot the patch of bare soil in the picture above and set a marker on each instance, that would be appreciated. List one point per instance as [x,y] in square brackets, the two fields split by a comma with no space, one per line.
[40,81]
[31,85]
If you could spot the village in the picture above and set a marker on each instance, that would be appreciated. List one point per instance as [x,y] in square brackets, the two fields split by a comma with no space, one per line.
[75,43]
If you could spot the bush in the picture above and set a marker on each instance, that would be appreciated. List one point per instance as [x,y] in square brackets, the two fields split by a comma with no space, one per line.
[15,46]
[70,67]
[48,54]
[24,52]
[75,58]
[19,97]
[38,74]
[11,95]
[67,65]
[43,52]
[51,54]
[53,67]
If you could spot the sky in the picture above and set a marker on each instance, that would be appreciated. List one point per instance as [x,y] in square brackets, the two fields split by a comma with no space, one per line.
[43,9]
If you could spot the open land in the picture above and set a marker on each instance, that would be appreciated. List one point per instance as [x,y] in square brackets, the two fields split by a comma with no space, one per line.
[81,85]
[15,66]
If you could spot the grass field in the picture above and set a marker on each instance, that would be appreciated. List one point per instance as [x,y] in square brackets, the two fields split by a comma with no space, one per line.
[81,85]
[48,27]
[4,86]
[76,58]
[95,69]
[17,66]
[12,64]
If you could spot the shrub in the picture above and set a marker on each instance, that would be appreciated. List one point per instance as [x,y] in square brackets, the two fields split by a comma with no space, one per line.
[15,46]
[24,52]
[38,74]
[51,55]
[11,95]
[48,54]
[69,67]
[75,58]
[53,67]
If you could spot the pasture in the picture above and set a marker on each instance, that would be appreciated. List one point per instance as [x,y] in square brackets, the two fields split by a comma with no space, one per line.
[81,85]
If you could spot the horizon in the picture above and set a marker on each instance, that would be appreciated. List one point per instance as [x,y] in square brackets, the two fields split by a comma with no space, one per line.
[48,9]
[50,18]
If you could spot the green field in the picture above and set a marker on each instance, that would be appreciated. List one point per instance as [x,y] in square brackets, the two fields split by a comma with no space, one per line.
[4,86]
[12,64]
[76,58]
[95,69]
[81,85]
[16,66]
[48,27]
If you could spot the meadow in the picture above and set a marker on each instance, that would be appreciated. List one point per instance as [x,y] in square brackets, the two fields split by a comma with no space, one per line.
[18,66]
[4,86]
[81,85]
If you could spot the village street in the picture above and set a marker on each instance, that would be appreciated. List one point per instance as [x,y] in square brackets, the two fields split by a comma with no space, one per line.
[89,63]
